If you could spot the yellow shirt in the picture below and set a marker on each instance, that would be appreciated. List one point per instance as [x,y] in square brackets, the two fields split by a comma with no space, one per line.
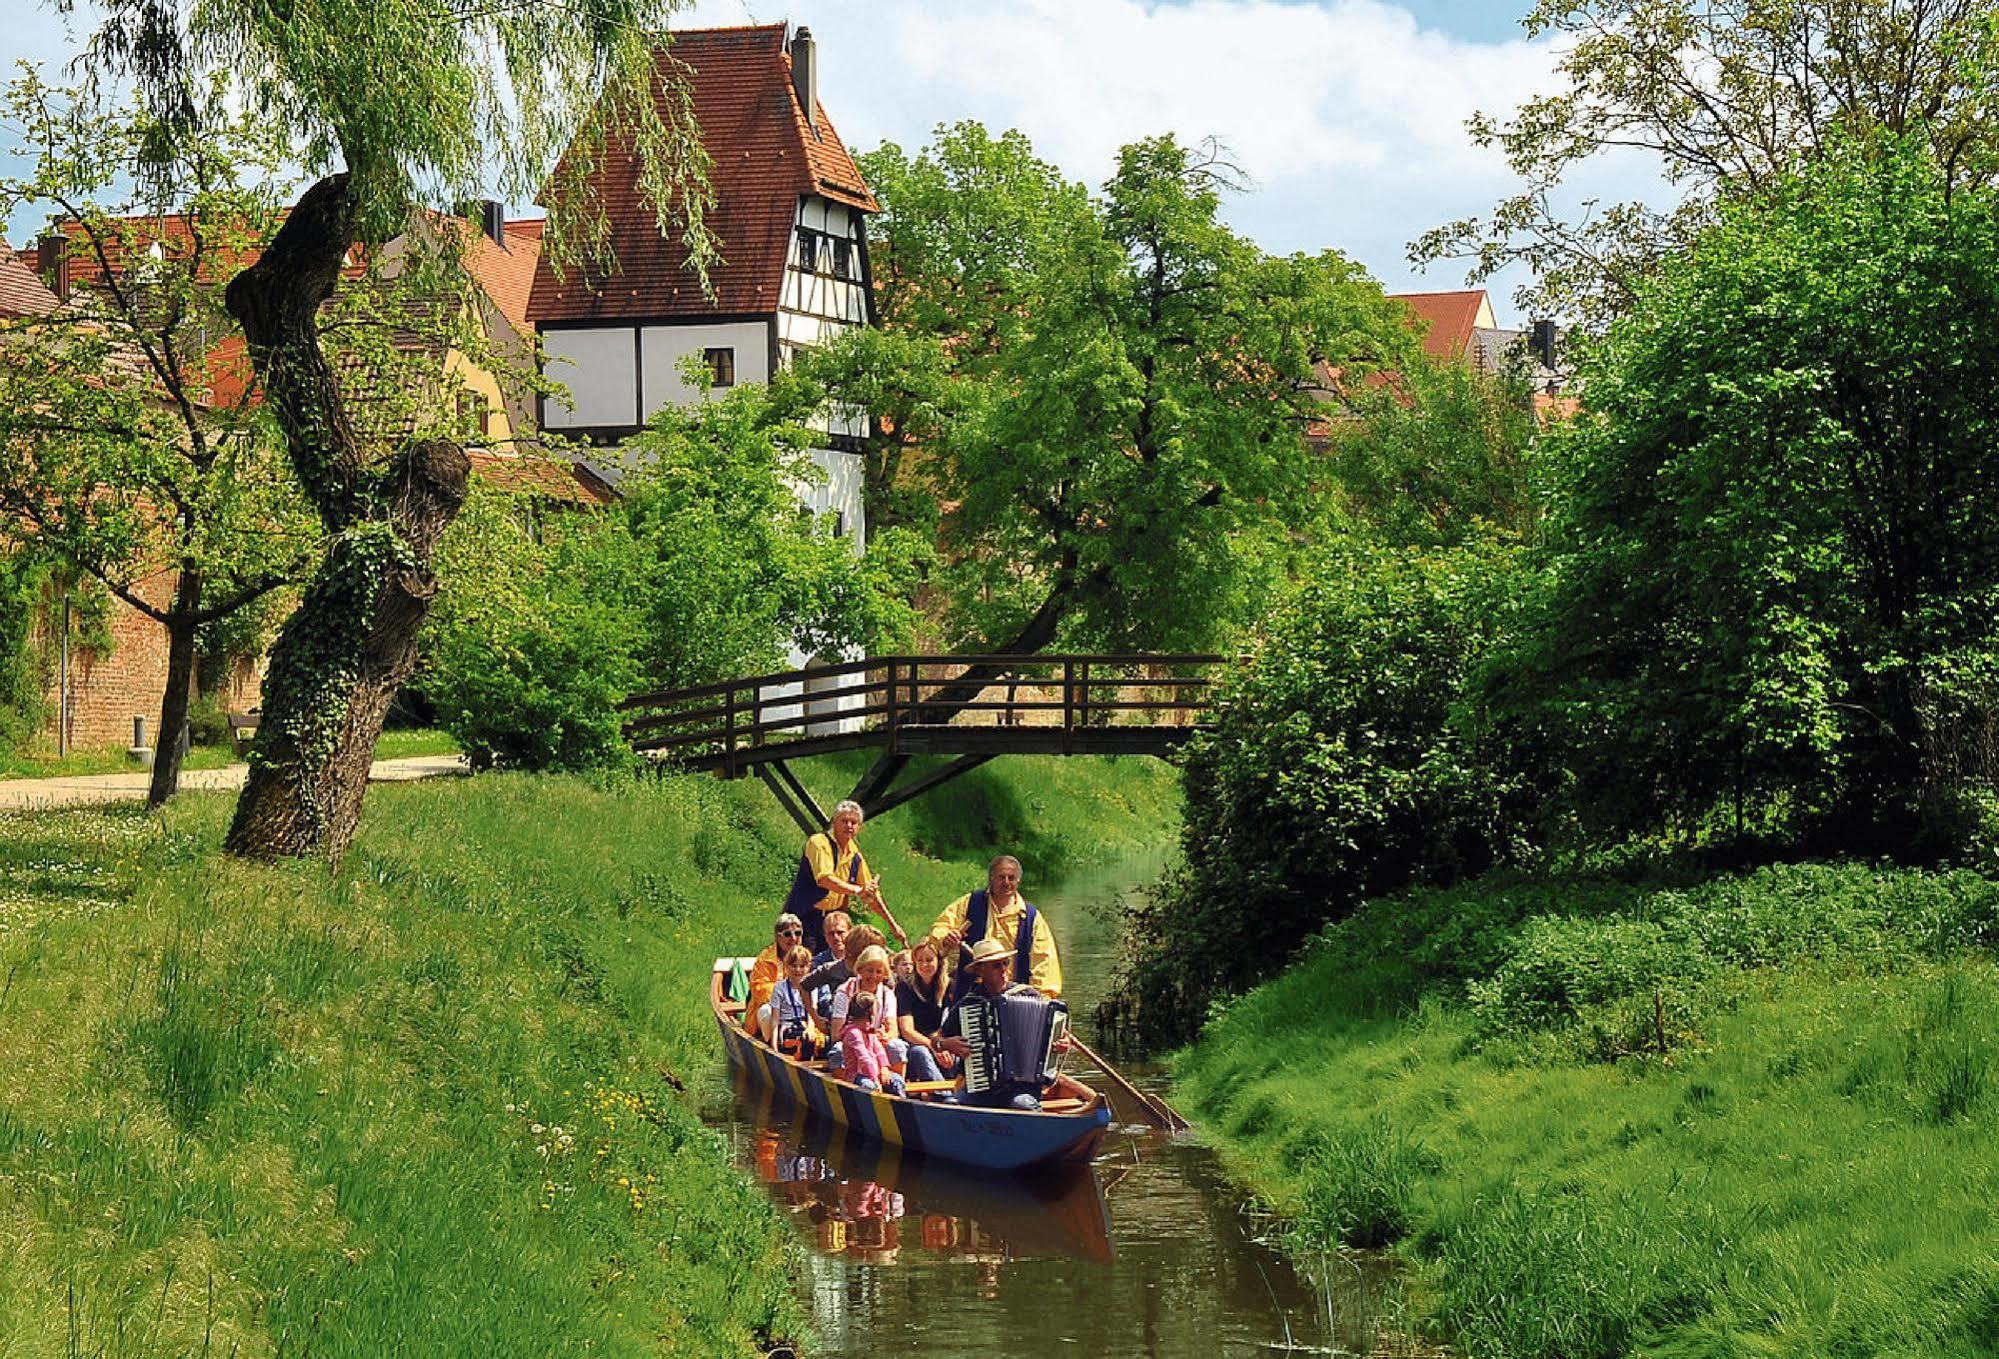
[849,865]
[1003,924]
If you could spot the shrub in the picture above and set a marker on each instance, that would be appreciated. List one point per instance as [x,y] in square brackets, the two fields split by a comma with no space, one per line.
[1344,762]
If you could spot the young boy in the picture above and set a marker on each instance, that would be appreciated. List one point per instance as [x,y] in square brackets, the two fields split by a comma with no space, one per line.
[786,1022]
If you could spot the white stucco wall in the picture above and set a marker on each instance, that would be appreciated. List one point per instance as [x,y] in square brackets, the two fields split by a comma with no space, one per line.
[598,366]
[661,348]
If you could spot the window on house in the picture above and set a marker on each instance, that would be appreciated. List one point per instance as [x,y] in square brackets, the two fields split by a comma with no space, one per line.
[721,366]
[808,250]
[843,261]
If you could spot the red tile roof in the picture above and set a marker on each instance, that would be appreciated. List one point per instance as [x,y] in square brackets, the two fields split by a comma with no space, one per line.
[540,475]
[1447,318]
[764,157]
[21,292]
[506,273]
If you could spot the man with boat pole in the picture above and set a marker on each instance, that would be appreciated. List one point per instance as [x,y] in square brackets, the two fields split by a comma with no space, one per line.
[999,912]
[831,870]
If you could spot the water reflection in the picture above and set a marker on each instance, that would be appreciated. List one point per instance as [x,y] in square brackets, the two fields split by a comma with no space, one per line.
[868,1202]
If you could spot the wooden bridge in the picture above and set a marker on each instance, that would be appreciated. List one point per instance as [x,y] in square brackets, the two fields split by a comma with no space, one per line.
[972,708]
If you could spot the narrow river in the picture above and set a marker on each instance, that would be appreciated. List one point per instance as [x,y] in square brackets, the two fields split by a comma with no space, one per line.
[1146,1252]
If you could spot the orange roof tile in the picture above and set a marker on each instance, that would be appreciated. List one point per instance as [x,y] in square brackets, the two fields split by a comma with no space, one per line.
[506,272]
[540,475]
[21,292]
[764,157]
[1447,318]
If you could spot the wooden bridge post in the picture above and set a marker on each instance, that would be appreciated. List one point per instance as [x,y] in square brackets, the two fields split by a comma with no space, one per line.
[888,717]
[1068,707]
[729,735]
[1083,697]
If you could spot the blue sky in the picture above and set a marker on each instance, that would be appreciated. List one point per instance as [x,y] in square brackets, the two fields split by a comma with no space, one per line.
[1347,115]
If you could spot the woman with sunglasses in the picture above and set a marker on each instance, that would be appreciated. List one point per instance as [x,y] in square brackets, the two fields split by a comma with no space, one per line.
[787,934]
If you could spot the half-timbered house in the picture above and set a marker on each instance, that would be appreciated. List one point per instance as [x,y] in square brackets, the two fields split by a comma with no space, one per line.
[789,215]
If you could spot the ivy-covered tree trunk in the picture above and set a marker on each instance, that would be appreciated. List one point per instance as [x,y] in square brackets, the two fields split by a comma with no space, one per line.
[343,655]
[168,750]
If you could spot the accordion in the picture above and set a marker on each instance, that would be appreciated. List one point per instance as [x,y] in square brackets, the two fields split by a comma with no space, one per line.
[1012,1038]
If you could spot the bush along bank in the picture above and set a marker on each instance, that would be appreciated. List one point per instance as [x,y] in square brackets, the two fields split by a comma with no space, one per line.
[436,1104]
[1756,1116]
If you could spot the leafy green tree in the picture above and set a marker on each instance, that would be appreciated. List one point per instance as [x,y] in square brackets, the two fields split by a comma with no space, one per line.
[705,570]
[1443,454]
[1132,386]
[393,107]
[1731,96]
[118,458]
[1347,759]
[1774,559]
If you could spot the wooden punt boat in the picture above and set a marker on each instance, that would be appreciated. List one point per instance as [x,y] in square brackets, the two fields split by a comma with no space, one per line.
[1067,1127]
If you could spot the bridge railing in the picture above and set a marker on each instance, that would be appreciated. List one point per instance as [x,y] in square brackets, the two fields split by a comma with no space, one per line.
[877,700]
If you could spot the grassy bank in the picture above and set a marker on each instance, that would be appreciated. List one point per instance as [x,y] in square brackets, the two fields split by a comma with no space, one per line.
[431,1106]
[1753,1117]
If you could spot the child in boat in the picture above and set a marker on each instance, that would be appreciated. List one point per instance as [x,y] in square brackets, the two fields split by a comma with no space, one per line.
[786,933]
[786,1022]
[865,1055]
[826,979]
[873,980]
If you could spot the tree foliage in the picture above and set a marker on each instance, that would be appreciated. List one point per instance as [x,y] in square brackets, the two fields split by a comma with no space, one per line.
[704,571]
[1775,563]
[1731,96]
[396,108]
[1350,758]
[1128,384]
[127,452]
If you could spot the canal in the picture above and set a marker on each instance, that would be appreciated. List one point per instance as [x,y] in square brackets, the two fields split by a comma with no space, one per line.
[1146,1252]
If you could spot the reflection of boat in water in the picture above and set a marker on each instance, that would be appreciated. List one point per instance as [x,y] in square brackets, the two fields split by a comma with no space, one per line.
[1067,1127]
[868,1200]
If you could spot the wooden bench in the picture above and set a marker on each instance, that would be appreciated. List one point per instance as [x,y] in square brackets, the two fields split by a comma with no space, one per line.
[243,730]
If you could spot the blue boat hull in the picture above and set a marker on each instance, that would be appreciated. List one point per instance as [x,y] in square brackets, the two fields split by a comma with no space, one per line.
[991,1139]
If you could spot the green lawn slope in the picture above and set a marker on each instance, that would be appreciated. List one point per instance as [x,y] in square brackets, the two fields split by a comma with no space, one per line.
[1759,1116]
[432,1105]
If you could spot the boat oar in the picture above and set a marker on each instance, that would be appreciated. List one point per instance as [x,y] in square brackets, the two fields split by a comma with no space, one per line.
[1157,1111]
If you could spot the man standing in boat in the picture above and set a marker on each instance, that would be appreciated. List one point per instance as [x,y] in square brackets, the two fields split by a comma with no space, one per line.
[832,870]
[999,912]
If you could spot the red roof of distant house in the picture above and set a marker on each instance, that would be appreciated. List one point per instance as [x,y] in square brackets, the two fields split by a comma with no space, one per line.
[763,157]
[540,475]
[1448,319]
[506,272]
[21,292]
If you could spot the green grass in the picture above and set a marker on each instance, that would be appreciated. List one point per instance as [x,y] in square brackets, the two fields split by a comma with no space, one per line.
[1808,1169]
[404,743]
[433,1105]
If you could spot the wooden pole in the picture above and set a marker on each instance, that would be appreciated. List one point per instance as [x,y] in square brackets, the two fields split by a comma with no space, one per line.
[1157,1111]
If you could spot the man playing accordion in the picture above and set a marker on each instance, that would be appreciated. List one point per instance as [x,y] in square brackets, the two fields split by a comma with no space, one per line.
[1006,1033]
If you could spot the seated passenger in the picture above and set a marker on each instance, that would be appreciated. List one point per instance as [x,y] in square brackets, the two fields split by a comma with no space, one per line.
[827,977]
[764,973]
[991,966]
[786,1021]
[919,1010]
[863,1054]
[872,980]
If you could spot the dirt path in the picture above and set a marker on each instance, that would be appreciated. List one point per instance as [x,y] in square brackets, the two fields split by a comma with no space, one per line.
[90,790]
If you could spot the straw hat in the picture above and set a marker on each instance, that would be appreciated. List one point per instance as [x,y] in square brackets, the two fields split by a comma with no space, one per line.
[990,951]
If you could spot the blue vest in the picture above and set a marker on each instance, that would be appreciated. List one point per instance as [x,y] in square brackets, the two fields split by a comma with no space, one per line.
[806,894]
[978,915]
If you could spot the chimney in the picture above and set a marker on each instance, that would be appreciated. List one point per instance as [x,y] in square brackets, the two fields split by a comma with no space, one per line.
[52,262]
[1542,345]
[805,75]
[493,221]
